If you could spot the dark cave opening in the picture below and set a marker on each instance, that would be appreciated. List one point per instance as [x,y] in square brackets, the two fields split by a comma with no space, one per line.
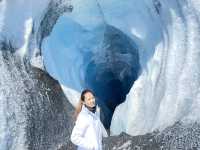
[112,78]
[109,91]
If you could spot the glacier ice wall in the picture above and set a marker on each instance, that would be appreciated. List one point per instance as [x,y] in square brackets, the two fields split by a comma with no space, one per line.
[166,33]
[12,104]
[161,30]
[25,24]
[168,88]
[17,19]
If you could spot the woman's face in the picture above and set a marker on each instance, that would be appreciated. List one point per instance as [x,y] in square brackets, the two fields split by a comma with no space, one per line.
[89,99]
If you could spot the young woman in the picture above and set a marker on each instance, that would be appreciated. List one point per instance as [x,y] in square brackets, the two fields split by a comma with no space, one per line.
[88,130]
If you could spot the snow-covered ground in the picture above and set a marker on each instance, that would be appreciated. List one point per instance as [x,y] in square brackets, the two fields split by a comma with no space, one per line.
[166,33]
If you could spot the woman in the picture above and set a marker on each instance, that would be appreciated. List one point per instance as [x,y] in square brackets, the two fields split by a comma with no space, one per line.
[88,130]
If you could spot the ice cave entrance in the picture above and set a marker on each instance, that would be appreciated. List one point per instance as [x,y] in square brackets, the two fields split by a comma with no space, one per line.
[109,69]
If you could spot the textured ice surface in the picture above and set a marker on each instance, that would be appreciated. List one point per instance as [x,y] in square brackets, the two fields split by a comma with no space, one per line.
[166,33]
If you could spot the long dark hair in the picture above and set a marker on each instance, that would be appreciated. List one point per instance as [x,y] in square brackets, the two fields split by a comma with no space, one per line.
[80,103]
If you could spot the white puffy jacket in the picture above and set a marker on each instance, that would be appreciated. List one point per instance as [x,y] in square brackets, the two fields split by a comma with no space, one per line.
[88,131]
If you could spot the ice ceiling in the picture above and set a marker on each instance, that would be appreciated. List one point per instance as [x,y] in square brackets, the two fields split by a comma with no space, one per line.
[103,59]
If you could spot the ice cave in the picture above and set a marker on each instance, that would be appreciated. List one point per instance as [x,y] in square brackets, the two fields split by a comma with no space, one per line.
[108,67]
[140,57]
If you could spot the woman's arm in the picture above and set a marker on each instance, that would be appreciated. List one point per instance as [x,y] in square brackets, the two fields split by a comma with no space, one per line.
[104,132]
[78,133]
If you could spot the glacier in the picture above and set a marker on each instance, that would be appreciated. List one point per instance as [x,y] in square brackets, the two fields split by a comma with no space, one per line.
[168,88]
[166,36]
[106,68]
[161,61]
